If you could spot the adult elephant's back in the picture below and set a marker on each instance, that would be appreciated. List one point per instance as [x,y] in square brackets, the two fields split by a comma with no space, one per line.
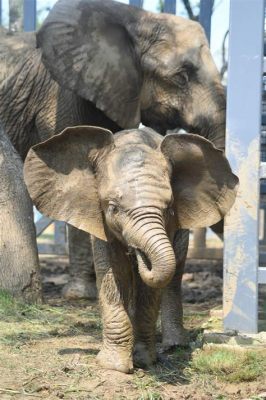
[13,47]
[33,106]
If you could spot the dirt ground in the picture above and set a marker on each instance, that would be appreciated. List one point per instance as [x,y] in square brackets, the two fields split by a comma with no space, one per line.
[48,352]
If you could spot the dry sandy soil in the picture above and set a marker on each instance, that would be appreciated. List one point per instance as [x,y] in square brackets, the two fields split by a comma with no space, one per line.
[48,352]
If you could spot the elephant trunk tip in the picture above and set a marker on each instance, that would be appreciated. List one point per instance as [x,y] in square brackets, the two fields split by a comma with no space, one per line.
[151,276]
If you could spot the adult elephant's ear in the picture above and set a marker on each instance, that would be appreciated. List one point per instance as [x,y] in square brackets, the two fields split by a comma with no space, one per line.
[59,174]
[88,49]
[204,187]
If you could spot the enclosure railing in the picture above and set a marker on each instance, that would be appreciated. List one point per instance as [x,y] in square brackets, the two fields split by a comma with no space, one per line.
[29,15]
[206,6]
[58,245]
[242,273]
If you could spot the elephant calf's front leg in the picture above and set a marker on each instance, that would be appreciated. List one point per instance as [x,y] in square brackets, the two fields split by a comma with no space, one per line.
[147,309]
[173,332]
[115,293]
[116,352]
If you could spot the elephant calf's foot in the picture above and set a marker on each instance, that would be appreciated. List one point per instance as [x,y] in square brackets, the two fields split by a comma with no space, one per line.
[174,337]
[144,356]
[115,359]
[78,289]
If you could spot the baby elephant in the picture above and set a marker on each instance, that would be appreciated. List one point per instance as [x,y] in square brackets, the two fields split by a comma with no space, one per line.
[137,193]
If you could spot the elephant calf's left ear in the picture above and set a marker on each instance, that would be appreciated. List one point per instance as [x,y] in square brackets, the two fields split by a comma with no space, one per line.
[204,187]
[60,176]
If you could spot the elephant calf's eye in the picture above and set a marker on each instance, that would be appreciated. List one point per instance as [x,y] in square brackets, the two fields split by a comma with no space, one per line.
[181,79]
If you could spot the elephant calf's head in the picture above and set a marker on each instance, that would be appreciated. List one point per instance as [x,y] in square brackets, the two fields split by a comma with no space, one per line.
[135,186]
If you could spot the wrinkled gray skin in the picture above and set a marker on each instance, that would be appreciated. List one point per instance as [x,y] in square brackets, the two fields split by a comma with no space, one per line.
[34,107]
[117,65]
[132,191]
[19,272]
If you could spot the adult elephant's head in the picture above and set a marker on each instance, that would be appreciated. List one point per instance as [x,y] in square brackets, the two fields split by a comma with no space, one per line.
[136,66]
[133,186]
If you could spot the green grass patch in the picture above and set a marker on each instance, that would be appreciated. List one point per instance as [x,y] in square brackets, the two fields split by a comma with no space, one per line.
[21,323]
[229,365]
[6,302]
[12,310]
[213,324]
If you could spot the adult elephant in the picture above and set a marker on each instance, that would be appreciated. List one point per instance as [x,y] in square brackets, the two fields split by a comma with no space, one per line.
[116,66]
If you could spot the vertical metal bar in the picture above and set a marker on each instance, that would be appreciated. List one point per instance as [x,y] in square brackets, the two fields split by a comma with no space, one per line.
[59,233]
[170,6]
[29,15]
[199,238]
[205,15]
[243,151]
[136,3]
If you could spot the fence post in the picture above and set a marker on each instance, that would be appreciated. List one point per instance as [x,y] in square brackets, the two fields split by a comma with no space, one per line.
[136,3]
[29,15]
[241,245]
[170,6]
[205,16]
[199,238]
[60,233]
[206,7]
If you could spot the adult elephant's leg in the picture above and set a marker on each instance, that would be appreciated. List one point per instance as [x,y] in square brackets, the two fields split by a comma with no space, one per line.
[115,285]
[81,268]
[147,309]
[19,265]
[172,310]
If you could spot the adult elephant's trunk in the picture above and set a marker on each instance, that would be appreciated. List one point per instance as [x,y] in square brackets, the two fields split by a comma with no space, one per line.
[210,115]
[155,255]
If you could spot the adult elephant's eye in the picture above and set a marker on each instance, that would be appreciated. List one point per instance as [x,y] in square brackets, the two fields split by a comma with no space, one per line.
[112,208]
[181,79]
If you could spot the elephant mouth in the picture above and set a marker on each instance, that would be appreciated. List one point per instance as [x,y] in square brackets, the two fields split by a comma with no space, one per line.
[146,271]
[138,256]
[141,256]
[161,120]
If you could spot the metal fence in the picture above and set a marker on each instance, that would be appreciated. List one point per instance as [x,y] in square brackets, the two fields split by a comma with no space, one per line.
[59,245]
[242,273]
[206,6]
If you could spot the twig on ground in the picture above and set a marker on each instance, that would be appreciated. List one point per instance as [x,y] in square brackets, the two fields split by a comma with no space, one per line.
[12,391]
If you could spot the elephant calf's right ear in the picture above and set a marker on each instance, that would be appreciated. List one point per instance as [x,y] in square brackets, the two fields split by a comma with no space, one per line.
[59,174]
[204,187]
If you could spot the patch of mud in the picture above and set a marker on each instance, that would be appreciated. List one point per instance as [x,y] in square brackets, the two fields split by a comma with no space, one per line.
[55,274]
[202,281]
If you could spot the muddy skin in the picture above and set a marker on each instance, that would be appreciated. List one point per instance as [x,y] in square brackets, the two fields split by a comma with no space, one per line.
[132,191]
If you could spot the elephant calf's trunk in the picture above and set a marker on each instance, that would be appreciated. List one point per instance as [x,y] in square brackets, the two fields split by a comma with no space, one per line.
[156,260]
